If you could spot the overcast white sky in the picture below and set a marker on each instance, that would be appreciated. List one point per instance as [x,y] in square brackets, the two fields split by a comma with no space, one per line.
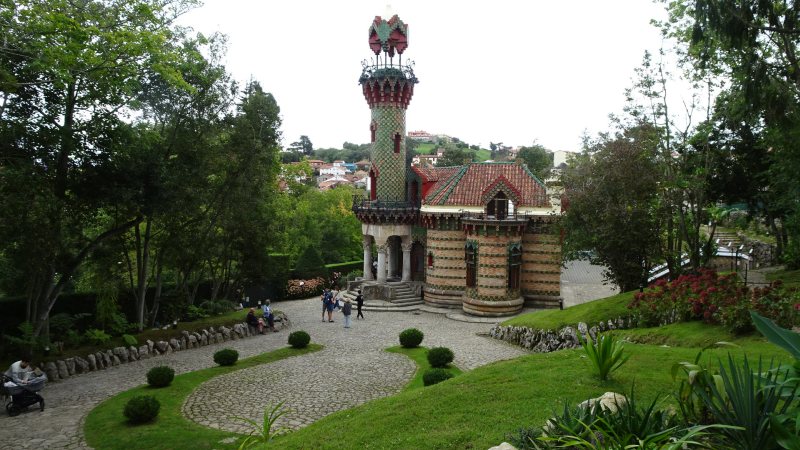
[501,71]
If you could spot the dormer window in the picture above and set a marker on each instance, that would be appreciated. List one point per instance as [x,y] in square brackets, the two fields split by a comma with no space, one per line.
[497,207]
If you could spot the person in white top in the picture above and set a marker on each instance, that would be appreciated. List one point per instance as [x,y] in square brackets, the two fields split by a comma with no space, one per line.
[19,372]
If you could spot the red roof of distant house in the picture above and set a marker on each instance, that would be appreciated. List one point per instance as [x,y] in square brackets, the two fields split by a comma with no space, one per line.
[469,185]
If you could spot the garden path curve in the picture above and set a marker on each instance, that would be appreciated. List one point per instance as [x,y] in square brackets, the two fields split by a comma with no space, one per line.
[353,359]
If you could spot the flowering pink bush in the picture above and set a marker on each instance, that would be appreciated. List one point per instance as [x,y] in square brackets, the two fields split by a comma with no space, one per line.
[713,298]
[304,288]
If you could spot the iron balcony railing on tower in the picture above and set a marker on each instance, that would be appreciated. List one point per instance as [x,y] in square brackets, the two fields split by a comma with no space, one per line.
[361,202]
[378,68]
[385,211]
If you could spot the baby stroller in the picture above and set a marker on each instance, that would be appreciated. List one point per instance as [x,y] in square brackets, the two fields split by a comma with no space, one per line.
[23,395]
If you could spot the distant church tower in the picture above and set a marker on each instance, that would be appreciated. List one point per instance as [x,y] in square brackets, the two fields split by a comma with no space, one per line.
[390,209]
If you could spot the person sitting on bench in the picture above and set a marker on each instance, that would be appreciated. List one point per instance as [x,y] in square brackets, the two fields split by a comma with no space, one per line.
[268,316]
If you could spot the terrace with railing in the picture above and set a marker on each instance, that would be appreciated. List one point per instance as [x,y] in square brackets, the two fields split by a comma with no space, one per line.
[385,210]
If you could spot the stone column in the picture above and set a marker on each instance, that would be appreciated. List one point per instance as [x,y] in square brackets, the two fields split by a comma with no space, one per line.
[367,244]
[407,260]
[382,263]
[391,245]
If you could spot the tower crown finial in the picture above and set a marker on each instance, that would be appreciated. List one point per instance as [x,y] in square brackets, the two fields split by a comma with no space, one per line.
[388,36]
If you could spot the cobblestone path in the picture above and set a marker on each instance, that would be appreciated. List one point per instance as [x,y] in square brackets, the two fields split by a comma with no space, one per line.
[354,366]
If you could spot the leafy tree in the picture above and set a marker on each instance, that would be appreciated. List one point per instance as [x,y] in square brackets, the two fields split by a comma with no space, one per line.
[303,146]
[310,263]
[454,156]
[317,218]
[613,204]
[538,159]
[69,71]
[299,177]
[753,47]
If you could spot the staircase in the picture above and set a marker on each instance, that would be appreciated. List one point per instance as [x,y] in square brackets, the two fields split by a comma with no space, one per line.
[726,237]
[403,298]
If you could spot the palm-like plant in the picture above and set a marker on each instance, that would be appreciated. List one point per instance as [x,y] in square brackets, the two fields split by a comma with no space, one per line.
[606,356]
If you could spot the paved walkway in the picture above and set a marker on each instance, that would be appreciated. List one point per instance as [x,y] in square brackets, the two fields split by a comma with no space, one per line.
[352,369]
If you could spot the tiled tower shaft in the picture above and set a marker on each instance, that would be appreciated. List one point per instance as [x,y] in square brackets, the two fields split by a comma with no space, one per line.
[388,93]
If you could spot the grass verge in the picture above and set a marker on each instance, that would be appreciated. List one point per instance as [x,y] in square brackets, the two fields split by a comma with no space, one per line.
[107,428]
[589,312]
[790,278]
[420,356]
[479,408]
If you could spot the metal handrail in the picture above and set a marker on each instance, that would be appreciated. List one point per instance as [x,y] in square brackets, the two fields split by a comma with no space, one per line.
[375,69]
[362,203]
[514,216]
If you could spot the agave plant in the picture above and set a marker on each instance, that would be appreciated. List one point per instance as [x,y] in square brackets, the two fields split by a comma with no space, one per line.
[606,356]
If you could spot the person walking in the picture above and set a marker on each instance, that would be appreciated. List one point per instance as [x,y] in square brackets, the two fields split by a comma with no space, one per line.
[347,310]
[359,304]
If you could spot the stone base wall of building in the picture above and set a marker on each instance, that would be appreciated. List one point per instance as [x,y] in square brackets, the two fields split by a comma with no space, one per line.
[491,296]
[444,279]
[541,270]
[491,308]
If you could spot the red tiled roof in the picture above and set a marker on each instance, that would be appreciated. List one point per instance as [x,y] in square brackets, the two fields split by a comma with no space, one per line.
[471,183]
[429,174]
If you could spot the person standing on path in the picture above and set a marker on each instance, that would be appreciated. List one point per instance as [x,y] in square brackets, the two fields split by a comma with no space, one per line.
[325,299]
[330,305]
[359,304]
[347,310]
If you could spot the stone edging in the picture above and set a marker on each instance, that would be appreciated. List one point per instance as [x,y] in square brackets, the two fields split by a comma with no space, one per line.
[99,360]
[545,341]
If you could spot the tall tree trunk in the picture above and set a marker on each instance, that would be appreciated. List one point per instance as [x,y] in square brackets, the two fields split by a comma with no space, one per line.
[142,269]
[157,293]
[54,287]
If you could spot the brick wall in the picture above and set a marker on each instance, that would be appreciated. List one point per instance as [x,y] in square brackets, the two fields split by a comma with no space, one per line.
[541,269]
[444,281]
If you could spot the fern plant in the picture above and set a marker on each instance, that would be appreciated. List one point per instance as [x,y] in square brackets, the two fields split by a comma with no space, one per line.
[606,356]
[262,433]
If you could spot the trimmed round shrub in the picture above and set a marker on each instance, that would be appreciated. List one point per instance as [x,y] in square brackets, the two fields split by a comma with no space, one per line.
[440,356]
[226,357]
[411,338]
[142,409]
[160,376]
[299,339]
[435,375]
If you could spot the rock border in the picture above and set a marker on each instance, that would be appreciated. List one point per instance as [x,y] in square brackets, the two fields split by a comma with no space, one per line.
[546,341]
[186,340]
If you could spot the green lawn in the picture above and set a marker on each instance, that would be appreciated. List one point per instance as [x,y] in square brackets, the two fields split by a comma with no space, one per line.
[589,312]
[483,154]
[477,409]
[420,356]
[425,148]
[790,278]
[107,428]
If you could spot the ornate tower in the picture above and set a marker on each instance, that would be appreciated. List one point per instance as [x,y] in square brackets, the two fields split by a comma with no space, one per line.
[387,215]
[388,88]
